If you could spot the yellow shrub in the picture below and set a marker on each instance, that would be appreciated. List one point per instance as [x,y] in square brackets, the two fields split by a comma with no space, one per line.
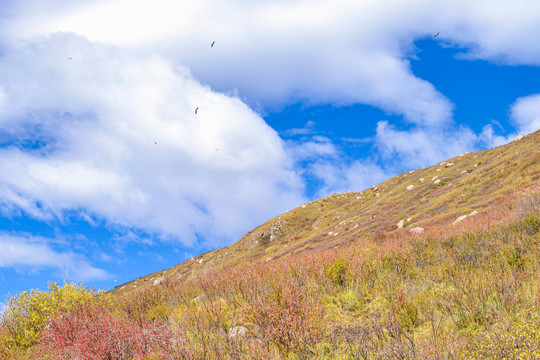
[27,313]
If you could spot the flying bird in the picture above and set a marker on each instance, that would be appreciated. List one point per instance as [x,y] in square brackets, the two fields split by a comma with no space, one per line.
[212,44]
[69,58]
[437,34]
[196,111]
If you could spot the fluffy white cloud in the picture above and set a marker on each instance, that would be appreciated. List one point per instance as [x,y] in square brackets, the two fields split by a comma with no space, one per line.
[114,135]
[525,112]
[92,122]
[17,251]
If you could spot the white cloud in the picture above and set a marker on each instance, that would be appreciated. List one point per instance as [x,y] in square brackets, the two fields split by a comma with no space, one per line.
[525,113]
[17,251]
[100,116]
[224,170]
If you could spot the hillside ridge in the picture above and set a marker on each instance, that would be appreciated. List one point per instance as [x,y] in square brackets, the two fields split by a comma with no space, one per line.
[444,193]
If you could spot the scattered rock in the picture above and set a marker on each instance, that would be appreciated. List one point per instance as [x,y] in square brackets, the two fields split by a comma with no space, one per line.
[421,180]
[268,259]
[410,187]
[439,169]
[303,206]
[436,176]
[159,280]
[449,164]
[519,137]
[463,217]
[464,172]
[237,331]
[437,181]
[377,195]
[416,230]
[409,219]
[475,165]
[400,224]
[374,188]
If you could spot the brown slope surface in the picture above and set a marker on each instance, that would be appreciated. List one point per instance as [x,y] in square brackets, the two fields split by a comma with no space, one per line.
[468,182]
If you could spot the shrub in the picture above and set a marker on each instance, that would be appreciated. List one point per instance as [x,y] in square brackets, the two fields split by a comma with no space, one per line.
[27,313]
[93,332]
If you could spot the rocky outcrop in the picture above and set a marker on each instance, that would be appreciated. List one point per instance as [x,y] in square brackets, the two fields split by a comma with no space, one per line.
[400,224]
[416,230]
[269,234]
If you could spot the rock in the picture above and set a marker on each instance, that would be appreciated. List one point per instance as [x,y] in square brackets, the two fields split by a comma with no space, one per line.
[237,331]
[374,188]
[436,176]
[269,234]
[475,165]
[463,217]
[439,169]
[410,187]
[421,180]
[159,280]
[437,181]
[464,172]
[377,195]
[409,219]
[519,137]
[449,164]
[400,224]
[416,230]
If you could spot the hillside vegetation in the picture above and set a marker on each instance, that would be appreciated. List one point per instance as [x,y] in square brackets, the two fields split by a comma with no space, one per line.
[332,279]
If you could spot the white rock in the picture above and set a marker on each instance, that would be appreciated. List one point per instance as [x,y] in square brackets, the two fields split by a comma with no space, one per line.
[439,169]
[436,176]
[237,331]
[303,206]
[416,230]
[464,172]
[475,165]
[449,164]
[519,137]
[421,180]
[159,280]
[377,195]
[463,217]
[410,187]
[400,224]
[437,181]
[409,219]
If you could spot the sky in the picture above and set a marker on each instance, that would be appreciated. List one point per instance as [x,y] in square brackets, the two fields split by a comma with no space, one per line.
[108,174]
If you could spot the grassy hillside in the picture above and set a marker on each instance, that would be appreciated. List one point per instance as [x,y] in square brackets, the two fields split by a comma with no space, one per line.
[333,279]
[440,194]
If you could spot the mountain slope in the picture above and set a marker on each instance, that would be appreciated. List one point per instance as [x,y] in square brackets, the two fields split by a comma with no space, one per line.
[424,198]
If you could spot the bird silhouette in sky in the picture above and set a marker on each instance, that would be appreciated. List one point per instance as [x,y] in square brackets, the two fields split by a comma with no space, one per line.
[437,34]
[69,58]
[212,44]
[196,111]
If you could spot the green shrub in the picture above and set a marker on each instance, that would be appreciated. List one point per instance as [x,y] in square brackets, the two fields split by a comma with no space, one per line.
[337,271]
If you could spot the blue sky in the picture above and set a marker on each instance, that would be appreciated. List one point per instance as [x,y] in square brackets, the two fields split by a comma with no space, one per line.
[107,173]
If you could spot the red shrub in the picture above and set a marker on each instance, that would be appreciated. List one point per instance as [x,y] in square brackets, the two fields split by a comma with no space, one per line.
[93,332]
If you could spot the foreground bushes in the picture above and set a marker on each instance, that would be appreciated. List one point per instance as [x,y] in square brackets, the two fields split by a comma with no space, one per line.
[472,293]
